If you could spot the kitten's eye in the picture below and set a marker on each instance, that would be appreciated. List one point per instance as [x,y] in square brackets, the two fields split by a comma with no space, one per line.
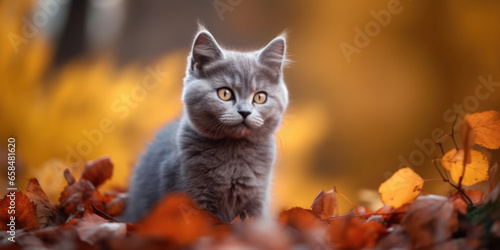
[260,98]
[225,94]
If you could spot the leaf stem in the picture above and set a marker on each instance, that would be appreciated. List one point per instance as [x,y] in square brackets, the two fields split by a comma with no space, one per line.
[345,197]
[459,189]
[452,131]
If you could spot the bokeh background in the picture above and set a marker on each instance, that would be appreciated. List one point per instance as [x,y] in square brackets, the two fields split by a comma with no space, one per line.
[70,70]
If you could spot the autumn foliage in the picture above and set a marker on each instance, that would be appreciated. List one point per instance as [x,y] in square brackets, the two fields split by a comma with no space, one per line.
[85,218]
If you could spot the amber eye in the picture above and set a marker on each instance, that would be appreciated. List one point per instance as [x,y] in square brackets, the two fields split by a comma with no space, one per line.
[260,98]
[225,94]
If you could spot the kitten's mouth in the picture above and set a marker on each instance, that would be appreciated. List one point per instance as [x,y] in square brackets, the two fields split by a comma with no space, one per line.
[241,130]
[245,124]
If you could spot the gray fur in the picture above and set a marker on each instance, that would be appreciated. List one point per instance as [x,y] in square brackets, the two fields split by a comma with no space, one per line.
[209,153]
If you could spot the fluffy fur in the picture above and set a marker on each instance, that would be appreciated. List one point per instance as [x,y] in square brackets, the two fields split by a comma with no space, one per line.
[219,152]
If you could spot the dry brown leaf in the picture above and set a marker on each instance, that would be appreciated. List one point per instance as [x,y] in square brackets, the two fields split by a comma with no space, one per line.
[76,194]
[392,215]
[325,205]
[23,209]
[403,187]
[92,229]
[47,212]
[486,126]
[98,171]
[178,219]
[474,195]
[475,172]
[430,219]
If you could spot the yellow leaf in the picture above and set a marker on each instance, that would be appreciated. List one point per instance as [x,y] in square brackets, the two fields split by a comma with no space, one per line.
[403,187]
[486,126]
[475,171]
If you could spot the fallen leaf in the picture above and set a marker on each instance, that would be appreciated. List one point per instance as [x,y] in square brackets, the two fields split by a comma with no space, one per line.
[92,229]
[299,218]
[474,195]
[50,238]
[403,187]
[486,126]
[476,171]
[325,205]
[75,194]
[430,219]
[355,233]
[17,204]
[176,218]
[392,215]
[397,239]
[48,213]
[98,171]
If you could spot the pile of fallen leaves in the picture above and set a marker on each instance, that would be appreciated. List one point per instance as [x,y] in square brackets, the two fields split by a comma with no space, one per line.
[469,217]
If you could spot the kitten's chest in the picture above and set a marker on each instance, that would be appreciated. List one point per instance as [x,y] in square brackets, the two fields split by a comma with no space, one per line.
[228,178]
[230,162]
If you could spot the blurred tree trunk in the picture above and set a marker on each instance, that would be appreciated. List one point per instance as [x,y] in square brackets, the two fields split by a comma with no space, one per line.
[73,38]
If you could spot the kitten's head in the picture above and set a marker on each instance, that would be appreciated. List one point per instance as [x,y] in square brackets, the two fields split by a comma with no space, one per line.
[235,94]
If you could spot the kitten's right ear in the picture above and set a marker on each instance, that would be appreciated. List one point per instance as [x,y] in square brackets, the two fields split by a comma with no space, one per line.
[205,50]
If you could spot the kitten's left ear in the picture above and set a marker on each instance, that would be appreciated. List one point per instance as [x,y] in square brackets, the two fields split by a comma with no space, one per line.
[273,55]
[205,50]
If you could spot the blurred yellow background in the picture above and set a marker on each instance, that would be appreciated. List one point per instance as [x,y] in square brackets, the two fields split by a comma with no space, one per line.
[370,83]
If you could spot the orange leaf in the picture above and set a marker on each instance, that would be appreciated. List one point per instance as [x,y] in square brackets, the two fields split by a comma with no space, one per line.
[18,205]
[178,219]
[299,218]
[474,195]
[475,171]
[486,126]
[355,233]
[403,187]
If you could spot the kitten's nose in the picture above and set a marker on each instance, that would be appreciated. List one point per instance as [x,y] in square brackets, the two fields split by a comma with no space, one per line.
[244,113]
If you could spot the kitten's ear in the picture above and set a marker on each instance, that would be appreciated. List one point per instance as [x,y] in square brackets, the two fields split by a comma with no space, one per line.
[273,55]
[205,50]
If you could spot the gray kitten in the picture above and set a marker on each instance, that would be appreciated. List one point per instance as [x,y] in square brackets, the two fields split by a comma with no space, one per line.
[222,150]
